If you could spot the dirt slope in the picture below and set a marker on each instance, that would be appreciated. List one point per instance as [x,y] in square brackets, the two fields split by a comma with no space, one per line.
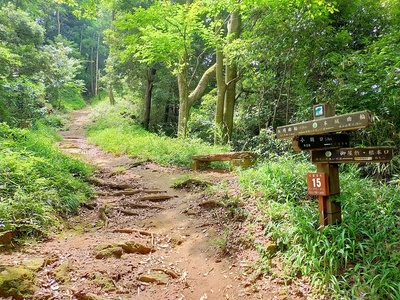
[142,239]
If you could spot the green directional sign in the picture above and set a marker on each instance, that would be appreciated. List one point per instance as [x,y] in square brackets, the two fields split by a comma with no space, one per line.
[344,122]
[352,155]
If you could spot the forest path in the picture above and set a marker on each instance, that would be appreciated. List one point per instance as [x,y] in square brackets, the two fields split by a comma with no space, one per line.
[142,239]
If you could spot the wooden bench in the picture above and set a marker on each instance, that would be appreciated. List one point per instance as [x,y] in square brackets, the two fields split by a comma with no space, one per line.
[238,159]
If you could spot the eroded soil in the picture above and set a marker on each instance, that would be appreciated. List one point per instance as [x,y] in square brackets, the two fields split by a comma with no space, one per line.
[182,243]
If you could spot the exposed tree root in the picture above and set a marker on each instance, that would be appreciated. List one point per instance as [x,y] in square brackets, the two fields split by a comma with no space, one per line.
[171,273]
[155,198]
[128,230]
[112,185]
[128,192]
[137,205]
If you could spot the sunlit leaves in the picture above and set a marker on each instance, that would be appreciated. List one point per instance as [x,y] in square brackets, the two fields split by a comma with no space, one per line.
[163,32]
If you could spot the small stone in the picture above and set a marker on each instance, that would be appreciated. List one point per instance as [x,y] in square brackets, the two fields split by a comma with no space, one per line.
[191,212]
[271,248]
[62,272]
[156,277]
[81,295]
[109,252]
[6,237]
[134,247]
[34,264]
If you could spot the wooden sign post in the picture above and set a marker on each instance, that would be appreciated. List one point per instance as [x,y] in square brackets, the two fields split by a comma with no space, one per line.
[328,149]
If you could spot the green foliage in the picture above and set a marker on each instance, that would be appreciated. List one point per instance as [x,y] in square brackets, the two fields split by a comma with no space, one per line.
[21,102]
[20,94]
[38,183]
[280,179]
[71,98]
[60,73]
[358,259]
[118,134]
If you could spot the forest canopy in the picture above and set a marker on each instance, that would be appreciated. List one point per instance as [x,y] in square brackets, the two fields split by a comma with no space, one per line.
[223,71]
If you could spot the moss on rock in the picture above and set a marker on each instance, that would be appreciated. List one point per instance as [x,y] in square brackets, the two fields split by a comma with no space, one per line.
[17,282]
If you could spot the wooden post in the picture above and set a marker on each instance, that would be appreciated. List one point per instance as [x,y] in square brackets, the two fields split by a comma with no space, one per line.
[330,211]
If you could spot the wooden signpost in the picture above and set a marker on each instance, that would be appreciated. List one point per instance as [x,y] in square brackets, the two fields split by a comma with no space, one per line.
[328,149]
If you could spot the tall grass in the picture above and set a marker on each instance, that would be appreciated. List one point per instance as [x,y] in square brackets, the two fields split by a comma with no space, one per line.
[118,133]
[38,183]
[358,259]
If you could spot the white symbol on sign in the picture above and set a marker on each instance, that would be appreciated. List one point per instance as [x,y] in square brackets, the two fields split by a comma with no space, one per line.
[362,117]
[315,125]
[316,182]
[302,140]
[349,119]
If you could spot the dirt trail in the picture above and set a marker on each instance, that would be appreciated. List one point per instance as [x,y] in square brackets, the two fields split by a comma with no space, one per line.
[182,242]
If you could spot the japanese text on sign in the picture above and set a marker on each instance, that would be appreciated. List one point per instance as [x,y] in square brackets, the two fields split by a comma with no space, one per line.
[356,155]
[331,124]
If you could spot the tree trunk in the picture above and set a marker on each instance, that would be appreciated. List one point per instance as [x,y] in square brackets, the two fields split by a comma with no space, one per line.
[97,71]
[81,41]
[151,73]
[183,103]
[58,22]
[91,70]
[110,94]
[221,88]
[231,78]
[187,100]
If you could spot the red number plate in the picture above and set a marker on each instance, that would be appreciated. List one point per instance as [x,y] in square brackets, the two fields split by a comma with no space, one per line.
[317,184]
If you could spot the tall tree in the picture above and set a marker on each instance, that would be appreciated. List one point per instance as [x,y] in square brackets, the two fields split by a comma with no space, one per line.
[20,92]
[166,33]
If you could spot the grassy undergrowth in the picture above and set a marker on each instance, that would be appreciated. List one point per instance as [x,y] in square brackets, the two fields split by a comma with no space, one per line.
[358,259]
[117,132]
[38,184]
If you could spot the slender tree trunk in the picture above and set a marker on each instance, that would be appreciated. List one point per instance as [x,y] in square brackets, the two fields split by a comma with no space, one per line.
[58,22]
[91,71]
[151,73]
[183,104]
[221,88]
[97,71]
[187,100]
[231,78]
[110,93]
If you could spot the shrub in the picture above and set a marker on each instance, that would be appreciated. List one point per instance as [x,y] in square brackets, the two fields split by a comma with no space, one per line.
[37,182]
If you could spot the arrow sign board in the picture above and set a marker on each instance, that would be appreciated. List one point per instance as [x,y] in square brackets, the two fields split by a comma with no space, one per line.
[352,155]
[345,122]
[326,141]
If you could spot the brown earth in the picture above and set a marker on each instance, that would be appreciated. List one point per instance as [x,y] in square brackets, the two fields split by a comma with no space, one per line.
[142,239]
